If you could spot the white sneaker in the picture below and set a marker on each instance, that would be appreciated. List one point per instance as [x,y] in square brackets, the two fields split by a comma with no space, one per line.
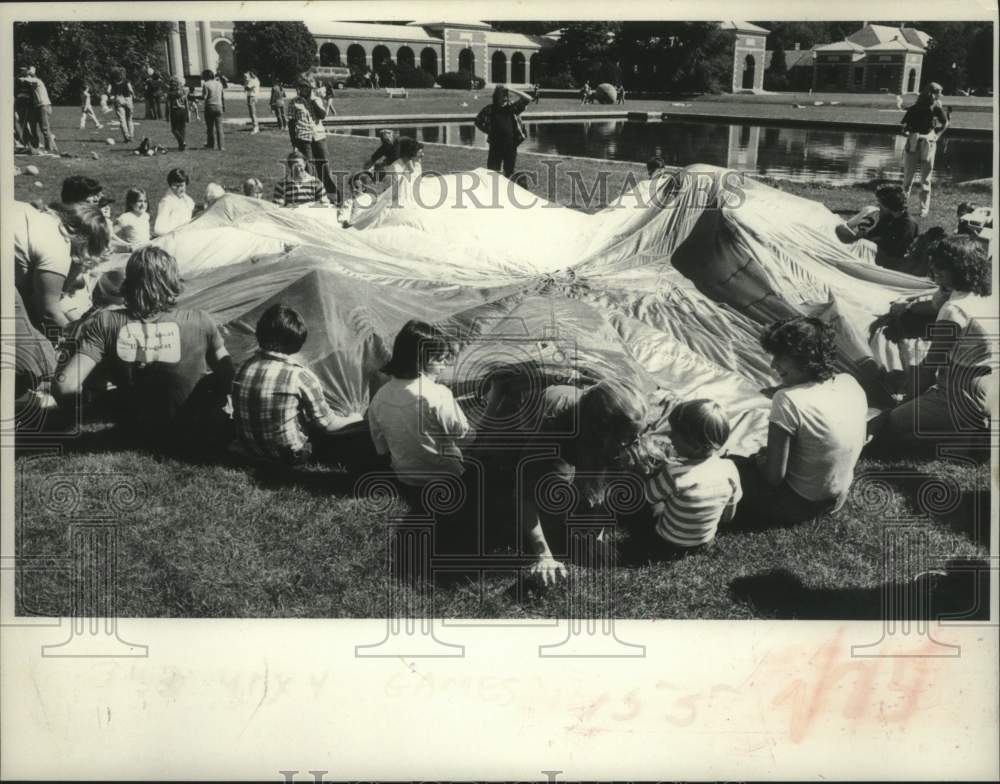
[255,130]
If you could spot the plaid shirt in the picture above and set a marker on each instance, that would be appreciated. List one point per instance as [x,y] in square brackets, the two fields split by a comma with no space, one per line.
[305,127]
[276,402]
[302,191]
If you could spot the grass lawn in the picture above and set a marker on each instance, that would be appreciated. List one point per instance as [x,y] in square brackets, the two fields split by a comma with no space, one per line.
[217,539]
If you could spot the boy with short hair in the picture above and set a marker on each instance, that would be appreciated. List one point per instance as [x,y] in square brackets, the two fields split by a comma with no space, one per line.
[278,404]
[298,185]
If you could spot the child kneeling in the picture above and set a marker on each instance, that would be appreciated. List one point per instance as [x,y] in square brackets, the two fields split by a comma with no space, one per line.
[278,405]
[695,492]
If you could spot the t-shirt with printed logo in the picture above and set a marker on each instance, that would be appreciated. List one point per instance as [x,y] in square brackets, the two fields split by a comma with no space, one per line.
[160,361]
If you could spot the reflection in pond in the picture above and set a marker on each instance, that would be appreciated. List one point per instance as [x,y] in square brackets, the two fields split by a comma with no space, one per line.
[804,154]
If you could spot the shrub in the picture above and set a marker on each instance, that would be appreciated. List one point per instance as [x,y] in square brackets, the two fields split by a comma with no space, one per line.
[414,77]
[460,80]
[558,81]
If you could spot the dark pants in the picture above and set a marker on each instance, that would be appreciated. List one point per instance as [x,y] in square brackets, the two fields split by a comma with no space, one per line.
[152,110]
[213,127]
[315,153]
[503,154]
[24,109]
[765,506]
[279,114]
[178,126]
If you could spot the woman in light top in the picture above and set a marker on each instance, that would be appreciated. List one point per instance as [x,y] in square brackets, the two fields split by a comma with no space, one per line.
[954,395]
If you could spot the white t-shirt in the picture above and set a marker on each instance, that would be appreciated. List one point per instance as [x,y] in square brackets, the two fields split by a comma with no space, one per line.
[132,228]
[39,245]
[419,424]
[171,212]
[828,423]
[976,318]
[251,87]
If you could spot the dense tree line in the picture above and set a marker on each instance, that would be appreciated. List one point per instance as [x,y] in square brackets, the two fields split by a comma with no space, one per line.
[67,54]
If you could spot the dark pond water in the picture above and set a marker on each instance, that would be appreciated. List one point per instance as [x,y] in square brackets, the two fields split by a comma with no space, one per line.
[803,154]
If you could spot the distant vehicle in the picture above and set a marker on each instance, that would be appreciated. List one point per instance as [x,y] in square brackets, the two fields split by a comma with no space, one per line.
[337,75]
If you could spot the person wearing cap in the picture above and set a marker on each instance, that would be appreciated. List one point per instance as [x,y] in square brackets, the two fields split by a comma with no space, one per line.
[77,189]
[892,233]
[215,107]
[305,125]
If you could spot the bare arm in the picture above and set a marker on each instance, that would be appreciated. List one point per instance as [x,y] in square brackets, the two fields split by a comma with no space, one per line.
[773,463]
[48,289]
[70,377]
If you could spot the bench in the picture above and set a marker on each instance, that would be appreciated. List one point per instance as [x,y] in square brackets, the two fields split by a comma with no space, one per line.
[396,92]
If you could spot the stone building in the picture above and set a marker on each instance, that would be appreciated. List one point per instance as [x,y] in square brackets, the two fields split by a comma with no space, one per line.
[502,58]
[749,53]
[874,59]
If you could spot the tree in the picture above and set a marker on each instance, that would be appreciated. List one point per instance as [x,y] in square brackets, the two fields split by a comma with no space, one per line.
[67,54]
[583,49]
[283,49]
[776,76]
[979,63]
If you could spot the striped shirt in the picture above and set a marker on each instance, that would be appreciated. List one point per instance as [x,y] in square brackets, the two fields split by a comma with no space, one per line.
[689,499]
[304,191]
[276,402]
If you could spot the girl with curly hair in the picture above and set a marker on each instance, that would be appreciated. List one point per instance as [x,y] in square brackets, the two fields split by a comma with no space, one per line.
[816,433]
[952,396]
[170,364]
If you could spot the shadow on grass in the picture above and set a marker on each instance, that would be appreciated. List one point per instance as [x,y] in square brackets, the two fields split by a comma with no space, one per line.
[961,592]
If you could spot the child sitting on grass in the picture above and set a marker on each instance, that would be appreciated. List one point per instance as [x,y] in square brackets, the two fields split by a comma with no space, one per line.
[298,185]
[363,195]
[691,495]
[176,208]
[818,426]
[414,419]
[132,226]
[278,405]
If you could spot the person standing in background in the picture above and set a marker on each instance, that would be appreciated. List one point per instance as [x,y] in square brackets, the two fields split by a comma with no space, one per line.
[505,131]
[215,107]
[251,86]
[41,113]
[86,107]
[123,96]
[923,124]
[149,94]
[177,110]
[305,126]
[23,98]
[278,101]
